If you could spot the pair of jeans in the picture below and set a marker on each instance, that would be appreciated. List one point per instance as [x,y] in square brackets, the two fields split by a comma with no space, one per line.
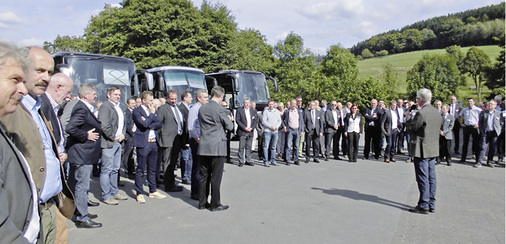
[186,163]
[79,183]
[390,149]
[292,145]
[425,172]
[147,156]
[488,141]
[111,162]
[270,142]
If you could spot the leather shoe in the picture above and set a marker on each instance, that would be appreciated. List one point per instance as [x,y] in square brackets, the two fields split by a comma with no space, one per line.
[92,203]
[174,189]
[186,182]
[205,206]
[88,224]
[220,208]
[250,163]
[419,210]
[241,164]
[296,163]
[316,161]
[432,210]
[92,216]
[337,158]
[307,160]
[387,160]
[392,160]
[195,197]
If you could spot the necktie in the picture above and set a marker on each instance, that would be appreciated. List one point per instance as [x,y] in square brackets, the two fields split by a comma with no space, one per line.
[178,119]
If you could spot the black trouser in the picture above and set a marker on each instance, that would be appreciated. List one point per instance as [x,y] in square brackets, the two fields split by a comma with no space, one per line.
[211,172]
[475,133]
[444,149]
[128,163]
[312,138]
[353,138]
[344,140]
[390,149]
[372,134]
[456,136]
[195,168]
[400,138]
[332,138]
[170,158]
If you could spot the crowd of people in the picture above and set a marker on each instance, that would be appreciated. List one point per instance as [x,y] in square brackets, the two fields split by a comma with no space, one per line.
[52,142]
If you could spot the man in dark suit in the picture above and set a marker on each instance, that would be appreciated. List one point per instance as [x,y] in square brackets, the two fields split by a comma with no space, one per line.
[246,120]
[293,119]
[112,118]
[400,109]
[30,132]
[424,128]
[491,124]
[83,147]
[186,152]
[455,108]
[390,129]
[372,130]
[194,132]
[127,160]
[341,138]
[332,119]
[145,136]
[171,139]
[446,135]
[314,130]
[19,216]
[214,122]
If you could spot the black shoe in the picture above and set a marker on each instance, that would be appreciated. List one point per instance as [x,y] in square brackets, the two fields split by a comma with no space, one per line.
[462,161]
[337,158]
[174,189]
[287,163]
[296,163]
[326,159]
[230,162]
[316,161]
[432,210]
[132,177]
[186,182]
[449,162]
[307,160]
[457,153]
[366,157]
[205,206]
[419,210]
[241,164]
[92,216]
[195,197]
[220,208]
[92,203]
[250,163]
[88,224]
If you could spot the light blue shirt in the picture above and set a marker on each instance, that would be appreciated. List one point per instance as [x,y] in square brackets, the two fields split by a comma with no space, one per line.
[490,122]
[193,121]
[52,183]
[471,115]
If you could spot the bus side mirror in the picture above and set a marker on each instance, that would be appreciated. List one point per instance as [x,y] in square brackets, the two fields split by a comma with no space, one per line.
[235,82]
[275,83]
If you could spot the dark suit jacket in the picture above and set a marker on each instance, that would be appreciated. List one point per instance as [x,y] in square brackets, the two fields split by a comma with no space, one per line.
[447,126]
[329,120]
[214,124]
[347,122]
[370,118]
[484,117]
[185,111]
[47,110]
[109,120]
[424,128]
[15,193]
[285,118]
[168,131]
[82,151]
[129,123]
[318,121]
[386,122]
[242,123]
[144,123]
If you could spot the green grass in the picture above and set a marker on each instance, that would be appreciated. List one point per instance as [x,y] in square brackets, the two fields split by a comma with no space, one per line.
[403,62]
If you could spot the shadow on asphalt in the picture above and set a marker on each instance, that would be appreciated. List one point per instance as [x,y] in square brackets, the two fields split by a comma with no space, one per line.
[355,195]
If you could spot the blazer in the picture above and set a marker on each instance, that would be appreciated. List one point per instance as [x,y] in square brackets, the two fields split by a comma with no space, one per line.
[214,123]
[108,117]
[47,110]
[129,123]
[447,126]
[485,116]
[286,120]
[318,121]
[15,194]
[168,131]
[329,120]
[82,151]
[386,122]
[370,118]
[347,121]
[25,134]
[424,128]
[242,123]
[65,115]
[144,123]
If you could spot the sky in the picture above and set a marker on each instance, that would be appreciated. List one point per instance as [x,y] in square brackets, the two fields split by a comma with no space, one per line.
[320,23]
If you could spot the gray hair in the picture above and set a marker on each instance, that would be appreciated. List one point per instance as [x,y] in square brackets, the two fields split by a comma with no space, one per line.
[425,94]
[85,89]
[19,54]
[217,91]
[201,92]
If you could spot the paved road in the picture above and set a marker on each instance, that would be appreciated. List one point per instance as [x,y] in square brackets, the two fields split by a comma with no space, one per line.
[330,202]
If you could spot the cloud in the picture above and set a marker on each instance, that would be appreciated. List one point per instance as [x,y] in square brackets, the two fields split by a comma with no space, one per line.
[333,10]
[32,42]
[7,18]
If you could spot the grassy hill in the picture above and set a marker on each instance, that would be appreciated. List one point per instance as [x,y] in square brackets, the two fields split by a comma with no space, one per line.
[403,62]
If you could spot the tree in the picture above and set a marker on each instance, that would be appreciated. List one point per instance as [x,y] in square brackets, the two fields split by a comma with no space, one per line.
[438,73]
[476,64]
[248,50]
[75,44]
[290,48]
[495,74]
[367,54]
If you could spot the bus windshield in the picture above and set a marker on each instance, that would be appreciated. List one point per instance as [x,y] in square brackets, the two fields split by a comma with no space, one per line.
[253,86]
[182,80]
[101,72]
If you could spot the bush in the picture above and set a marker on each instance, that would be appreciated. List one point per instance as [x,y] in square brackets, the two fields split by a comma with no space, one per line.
[382,53]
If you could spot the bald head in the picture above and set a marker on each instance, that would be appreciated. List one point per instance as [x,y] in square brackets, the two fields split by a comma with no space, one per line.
[42,69]
[60,86]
